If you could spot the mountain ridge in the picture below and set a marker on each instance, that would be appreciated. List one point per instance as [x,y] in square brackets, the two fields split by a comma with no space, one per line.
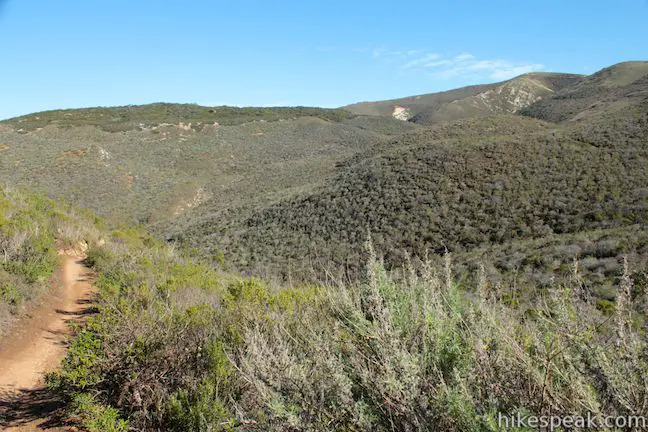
[502,97]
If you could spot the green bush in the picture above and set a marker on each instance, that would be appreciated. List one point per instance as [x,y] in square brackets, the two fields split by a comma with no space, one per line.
[10,295]
[96,417]
[201,409]
[605,306]
[79,367]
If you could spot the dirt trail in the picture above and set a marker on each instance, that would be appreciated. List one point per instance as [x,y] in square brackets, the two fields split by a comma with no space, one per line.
[36,345]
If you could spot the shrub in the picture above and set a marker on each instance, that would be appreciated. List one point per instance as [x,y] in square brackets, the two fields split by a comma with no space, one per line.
[96,417]
[605,306]
[29,237]
[10,295]
[399,351]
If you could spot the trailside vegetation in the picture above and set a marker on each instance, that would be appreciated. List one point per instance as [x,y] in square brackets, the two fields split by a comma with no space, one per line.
[32,228]
[180,346]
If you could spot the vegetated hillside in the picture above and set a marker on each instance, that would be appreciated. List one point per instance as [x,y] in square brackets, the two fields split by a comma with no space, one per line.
[612,88]
[31,229]
[125,118]
[300,193]
[153,171]
[473,101]
[528,265]
[480,183]
[179,346]
[176,345]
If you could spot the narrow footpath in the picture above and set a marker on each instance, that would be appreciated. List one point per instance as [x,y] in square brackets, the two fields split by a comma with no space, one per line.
[36,345]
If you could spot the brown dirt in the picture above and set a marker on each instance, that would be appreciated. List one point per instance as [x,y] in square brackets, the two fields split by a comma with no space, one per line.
[36,346]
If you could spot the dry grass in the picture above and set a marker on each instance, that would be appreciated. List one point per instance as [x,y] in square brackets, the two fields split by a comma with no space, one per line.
[179,345]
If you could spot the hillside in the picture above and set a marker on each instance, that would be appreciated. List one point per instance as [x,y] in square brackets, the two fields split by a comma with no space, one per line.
[506,97]
[415,103]
[152,163]
[521,180]
[122,119]
[175,345]
[610,89]
[486,184]
[292,192]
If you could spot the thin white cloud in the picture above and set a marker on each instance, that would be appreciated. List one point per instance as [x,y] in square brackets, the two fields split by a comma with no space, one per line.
[466,64]
[422,61]
[384,52]
[437,63]
[463,64]
[448,73]
[464,57]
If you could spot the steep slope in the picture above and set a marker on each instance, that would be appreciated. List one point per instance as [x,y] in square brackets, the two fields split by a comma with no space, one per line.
[503,179]
[467,102]
[602,93]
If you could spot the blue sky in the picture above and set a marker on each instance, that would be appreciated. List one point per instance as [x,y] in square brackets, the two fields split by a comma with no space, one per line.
[77,53]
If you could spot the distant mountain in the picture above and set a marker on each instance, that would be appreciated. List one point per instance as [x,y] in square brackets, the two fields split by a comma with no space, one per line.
[468,102]
[610,89]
